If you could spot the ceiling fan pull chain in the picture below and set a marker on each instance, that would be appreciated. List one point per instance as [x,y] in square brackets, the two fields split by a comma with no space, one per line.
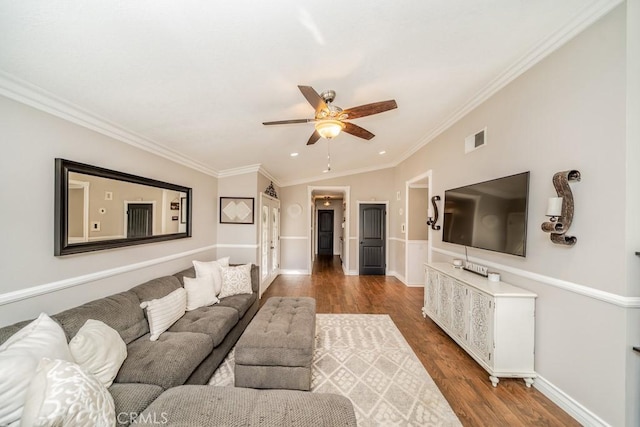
[328,155]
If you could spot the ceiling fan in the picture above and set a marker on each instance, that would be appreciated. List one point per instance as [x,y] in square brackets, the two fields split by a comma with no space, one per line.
[330,119]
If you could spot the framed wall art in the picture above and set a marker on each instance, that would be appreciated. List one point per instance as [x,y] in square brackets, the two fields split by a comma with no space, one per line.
[236,210]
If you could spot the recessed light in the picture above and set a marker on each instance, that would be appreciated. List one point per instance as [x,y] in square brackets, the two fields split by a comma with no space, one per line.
[294,154]
[382,152]
[325,171]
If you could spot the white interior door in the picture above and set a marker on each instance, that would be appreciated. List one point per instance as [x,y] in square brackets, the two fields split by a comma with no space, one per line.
[269,240]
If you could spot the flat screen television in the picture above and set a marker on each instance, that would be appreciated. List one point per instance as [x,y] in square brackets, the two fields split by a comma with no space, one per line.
[489,215]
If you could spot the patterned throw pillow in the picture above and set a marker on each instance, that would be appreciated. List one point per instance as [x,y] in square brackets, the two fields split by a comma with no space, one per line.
[99,350]
[163,312]
[236,280]
[62,394]
[19,358]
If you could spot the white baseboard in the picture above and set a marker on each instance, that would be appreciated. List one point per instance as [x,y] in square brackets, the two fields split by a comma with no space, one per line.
[397,276]
[571,406]
[295,272]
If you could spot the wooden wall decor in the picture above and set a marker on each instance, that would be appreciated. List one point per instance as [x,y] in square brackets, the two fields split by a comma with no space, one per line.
[431,221]
[559,227]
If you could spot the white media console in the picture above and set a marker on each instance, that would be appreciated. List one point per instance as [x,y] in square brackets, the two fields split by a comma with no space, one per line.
[492,321]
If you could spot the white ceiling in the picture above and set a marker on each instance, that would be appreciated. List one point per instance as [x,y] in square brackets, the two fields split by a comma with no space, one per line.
[195,79]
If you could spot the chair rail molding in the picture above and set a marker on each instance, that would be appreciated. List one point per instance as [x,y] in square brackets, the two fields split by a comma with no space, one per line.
[608,297]
[47,288]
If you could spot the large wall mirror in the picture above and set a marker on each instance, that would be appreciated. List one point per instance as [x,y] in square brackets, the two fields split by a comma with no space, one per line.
[97,208]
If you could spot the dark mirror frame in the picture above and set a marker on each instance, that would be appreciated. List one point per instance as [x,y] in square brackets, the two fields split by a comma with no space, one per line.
[61,242]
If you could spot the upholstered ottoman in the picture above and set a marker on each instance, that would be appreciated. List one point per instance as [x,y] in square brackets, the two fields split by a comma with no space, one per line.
[276,349]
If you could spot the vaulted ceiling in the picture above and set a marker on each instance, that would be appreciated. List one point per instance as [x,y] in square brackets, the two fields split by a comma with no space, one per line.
[194,80]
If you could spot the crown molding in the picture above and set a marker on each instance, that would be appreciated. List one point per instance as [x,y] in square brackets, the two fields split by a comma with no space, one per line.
[543,49]
[38,98]
[268,175]
[239,171]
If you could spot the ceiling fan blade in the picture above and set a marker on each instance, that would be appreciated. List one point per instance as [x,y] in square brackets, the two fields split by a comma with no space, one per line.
[315,136]
[287,122]
[369,109]
[313,98]
[356,130]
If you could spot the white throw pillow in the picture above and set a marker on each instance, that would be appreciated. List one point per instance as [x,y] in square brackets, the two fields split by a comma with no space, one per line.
[19,358]
[63,394]
[213,269]
[236,281]
[99,350]
[200,292]
[163,312]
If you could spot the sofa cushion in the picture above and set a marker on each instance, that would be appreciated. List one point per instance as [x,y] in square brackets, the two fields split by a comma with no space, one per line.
[240,302]
[164,312]
[156,288]
[212,269]
[19,358]
[121,311]
[236,281]
[200,292]
[63,394]
[99,350]
[131,399]
[255,275]
[7,332]
[167,362]
[215,321]
[189,272]
[205,406]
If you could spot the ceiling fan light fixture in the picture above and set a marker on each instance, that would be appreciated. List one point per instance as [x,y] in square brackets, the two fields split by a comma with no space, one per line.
[329,128]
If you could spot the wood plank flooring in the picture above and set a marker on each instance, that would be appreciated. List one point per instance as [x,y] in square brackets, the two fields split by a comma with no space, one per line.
[463,382]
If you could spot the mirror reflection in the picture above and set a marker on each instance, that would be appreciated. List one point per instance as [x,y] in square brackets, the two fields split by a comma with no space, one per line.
[106,209]
[99,208]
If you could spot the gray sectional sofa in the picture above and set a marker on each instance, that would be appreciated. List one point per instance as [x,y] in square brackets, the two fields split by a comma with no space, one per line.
[158,374]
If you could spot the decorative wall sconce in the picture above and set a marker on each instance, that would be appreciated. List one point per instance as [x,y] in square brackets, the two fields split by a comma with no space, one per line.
[431,221]
[560,209]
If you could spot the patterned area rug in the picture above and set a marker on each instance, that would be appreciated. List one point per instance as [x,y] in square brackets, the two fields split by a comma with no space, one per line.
[365,358]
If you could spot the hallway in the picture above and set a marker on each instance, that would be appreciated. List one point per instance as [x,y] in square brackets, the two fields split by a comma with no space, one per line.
[462,381]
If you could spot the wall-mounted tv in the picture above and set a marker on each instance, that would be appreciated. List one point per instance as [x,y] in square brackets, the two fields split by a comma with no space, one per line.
[489,215]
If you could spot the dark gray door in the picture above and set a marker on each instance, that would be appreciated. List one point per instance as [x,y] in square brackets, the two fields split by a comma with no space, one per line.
[325,232]
[139,220]
[372,239]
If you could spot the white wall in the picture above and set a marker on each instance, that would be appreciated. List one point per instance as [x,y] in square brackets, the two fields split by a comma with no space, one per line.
[633,208]
[567,112]
[31,141]
[295,243]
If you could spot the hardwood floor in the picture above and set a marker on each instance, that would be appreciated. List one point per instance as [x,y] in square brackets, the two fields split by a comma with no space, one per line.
[463,382]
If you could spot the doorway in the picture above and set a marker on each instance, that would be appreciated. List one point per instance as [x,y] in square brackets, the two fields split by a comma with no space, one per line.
[269,240]
[373,239]
[139,219]
[325,232]
[418,235]
[339,201]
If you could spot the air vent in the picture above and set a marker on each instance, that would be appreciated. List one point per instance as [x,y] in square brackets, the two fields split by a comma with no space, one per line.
[475,141]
